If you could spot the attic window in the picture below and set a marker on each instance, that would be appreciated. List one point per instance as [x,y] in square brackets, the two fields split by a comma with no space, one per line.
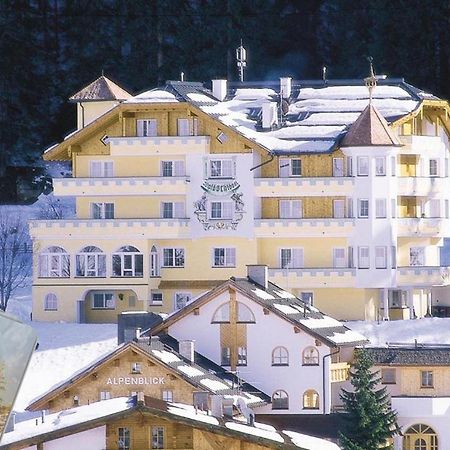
[222,137]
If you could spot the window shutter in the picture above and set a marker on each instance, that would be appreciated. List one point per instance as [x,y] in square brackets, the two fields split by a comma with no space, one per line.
[230,257]
[297,258]
[380,257]
[179,210]
[285,167]
[108,169]
[96,169]
[183,127]
[140,127]
[297,212]
[227,210]
[152,127]
[179,168]
[43,266]
[285,212]
[227,168]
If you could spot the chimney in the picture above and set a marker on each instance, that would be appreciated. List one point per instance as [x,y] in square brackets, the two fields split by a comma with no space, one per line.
[186,349]
[155,343]
[11,424]
[140,399]
[269,115]
[217,406]
[285,86]
[259,273]
[137,334]
[219,89]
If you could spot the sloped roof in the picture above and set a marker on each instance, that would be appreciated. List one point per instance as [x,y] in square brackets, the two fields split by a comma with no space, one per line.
[101,89]
[283,304]
[370,129]
[202,373]
[82,418]
[410,356]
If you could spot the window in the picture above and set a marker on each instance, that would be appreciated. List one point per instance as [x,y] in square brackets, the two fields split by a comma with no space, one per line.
[221,210]
[154,262]
[380,208]
[157,437]
[147,127]
[338,209]
[393,166]
[280,357]
[167,396]
[244,314]
[54,263]
[290,209]
[310,399]
[363,166]
[225,354]
[307,297]
[124,440]
[157,298]
[172,210]
[172,169]
[103,300]
[417,256]
[76,400]
[242,356]
[426,379]
[380,166]
[90,262]
[224,257]
[136,367]
[221,168]
[393,257]
[291,258]
[290,167]
[310,356]
[380,258]
[280,400]
[434,168]
[102,210]
[101,169]
[339,259]
[388,376]
[105,395]
[188,127]
[349,166]
[363,208]
[128,261]
[173,257]
[51,302]
[338,167]
[363,257]
[182,299]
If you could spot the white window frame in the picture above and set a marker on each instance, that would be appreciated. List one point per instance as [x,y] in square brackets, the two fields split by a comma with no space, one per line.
[173,168]
[380,257]
[434,167]
[124,438]
[172,210]
[363,166]
[221,168]
[128,263]
[224,257]
[136,367]
[280,356]
[176,255]
[93,263]
[380,208]
[286,170]
[105,395]
[417,256]
[51,302]
[108,300]
[380,166]
[181,299]
[157,437]
[290,209]
[154,302]
[388,375]
[426,379]
[242,356]
[105,210]
[363,259]
[363,208]
[101,169]
[54,264]
[296,258]
[147,127]
[167,395]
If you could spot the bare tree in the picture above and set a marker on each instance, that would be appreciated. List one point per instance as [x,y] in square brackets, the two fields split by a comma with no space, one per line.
[15,255]
[51,208]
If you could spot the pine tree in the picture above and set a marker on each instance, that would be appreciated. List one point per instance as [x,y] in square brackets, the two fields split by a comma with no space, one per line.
[368,418]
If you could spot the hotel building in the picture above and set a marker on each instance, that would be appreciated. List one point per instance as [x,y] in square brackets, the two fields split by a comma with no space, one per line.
[181,187]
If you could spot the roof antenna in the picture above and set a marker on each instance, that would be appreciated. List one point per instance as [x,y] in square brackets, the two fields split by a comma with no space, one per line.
[371,80]
[324,74]
[103,73]
[241,61]
[182,76]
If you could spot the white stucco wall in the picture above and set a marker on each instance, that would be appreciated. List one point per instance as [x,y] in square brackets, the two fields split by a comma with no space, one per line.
[94,439]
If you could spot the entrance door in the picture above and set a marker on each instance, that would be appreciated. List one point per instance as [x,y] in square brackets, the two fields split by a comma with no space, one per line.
[420,437]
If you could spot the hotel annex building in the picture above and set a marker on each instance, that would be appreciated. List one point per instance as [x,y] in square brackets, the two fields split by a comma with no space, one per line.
[181,187]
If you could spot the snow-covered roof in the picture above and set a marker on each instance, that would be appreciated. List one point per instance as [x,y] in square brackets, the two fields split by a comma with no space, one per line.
[153,96]
[82,418]
[314,118]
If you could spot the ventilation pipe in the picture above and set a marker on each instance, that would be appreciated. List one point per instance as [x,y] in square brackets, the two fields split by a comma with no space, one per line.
[219,89]
[186,349]
[259,273]
[269,115]
[285,87]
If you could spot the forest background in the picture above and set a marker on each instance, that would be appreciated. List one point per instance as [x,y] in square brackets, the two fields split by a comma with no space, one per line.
[49,49]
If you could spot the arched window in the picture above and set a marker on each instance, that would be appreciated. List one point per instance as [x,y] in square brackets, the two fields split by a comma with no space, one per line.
[420,437]
[154,262]
[54,263]
[90,262]
[51,302]
[280,356]
[310,356]
[128,261]
[280,400]
[310,399]
[244,314]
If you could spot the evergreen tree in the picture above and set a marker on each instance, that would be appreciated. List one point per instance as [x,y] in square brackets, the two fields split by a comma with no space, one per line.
[368,418]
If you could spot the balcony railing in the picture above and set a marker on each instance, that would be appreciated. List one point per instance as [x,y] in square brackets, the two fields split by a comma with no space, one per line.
[313,277]
[423,275]
[419,144]
[422,226]
[339,372]
[423,186]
